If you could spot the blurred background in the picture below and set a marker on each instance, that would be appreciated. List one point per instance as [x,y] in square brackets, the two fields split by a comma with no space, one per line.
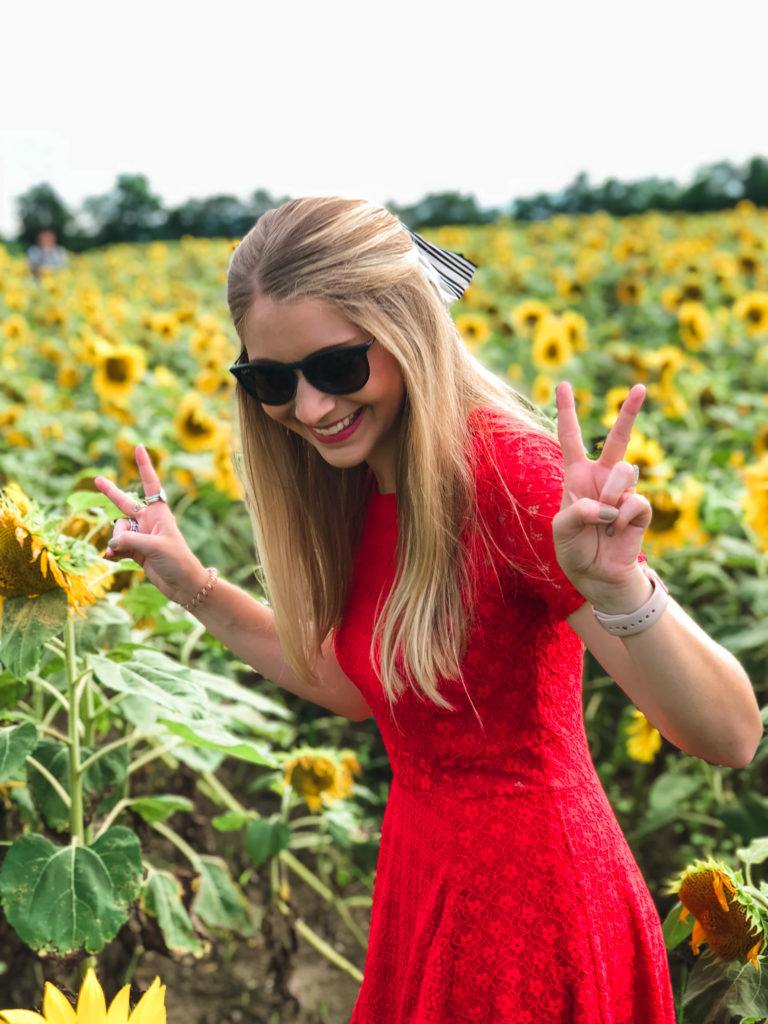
[606,166]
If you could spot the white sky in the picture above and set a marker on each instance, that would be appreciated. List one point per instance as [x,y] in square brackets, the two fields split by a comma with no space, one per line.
[381,101]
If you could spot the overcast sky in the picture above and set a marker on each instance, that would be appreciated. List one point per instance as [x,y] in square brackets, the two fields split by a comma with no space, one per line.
[382,101]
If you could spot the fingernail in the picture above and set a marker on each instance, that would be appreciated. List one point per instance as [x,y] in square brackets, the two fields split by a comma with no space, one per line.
[608,514]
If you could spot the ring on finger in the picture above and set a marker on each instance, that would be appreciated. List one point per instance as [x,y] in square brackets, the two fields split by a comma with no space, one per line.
[134,525]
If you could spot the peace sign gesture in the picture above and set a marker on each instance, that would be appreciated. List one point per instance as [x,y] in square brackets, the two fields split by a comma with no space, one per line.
[595,553]
[158,545]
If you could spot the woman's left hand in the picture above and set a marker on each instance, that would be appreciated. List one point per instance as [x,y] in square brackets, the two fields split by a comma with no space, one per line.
[597,556]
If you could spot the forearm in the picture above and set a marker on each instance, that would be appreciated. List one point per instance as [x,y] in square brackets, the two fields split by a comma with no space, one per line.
[690,687]
[247,627]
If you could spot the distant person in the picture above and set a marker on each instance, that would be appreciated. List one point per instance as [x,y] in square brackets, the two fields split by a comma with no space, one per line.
[46,253]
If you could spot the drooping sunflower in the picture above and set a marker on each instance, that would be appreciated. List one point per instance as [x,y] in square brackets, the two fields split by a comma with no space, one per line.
[321,775]
[37,557]
[726,915]
[92,1006]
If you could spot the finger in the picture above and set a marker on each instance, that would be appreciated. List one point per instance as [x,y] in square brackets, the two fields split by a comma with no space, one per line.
[130,542]
[127,504]
[620,479]
[149,478]
[618,437]
[635,511]
[568,429]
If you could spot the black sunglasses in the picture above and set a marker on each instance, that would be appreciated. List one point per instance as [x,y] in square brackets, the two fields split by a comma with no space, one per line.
[336,371]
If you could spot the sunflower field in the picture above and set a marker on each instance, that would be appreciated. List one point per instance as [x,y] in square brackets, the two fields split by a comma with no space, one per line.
[167,813]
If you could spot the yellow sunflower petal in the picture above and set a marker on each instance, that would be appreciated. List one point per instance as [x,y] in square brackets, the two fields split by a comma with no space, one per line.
[150,1009]
[120,1007]
[717,885]
[21,1017]
[56,1007]
[697,937]
[91,1005]
[44,562]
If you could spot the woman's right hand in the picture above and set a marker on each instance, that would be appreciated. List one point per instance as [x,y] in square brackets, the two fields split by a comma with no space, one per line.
[158,546]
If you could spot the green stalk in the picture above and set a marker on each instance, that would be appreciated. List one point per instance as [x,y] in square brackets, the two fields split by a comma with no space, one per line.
[76,823]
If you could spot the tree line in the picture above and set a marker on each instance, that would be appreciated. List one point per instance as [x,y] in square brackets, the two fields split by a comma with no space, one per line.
[132,212]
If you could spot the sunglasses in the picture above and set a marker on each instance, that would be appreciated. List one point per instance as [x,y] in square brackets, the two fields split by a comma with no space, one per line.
[336,371]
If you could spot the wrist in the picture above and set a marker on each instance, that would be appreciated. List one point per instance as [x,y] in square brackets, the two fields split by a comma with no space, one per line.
[194,582]
[624,598]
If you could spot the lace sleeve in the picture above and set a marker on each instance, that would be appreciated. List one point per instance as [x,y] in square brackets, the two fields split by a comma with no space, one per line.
[532,468]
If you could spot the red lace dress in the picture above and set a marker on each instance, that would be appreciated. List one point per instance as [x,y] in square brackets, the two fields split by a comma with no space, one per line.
[505,890]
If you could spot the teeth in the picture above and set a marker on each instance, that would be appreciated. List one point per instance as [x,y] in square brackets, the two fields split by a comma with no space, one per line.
[339,426]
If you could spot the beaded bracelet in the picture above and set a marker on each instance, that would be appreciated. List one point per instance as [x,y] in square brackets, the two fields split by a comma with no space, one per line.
[213,575]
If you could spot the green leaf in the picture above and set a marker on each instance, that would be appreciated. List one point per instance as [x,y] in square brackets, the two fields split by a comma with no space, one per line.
[668,791]
[673,929]
[218,902]
[66,898]
[55,757]
[160,807]
[11,689]
[16,742]
[221,686]
[105,774]
[213,736]
[162,899]
[229,822]
[143,600]
[78,501]
[264,838]
[755,853]
[155,683]
[26,625]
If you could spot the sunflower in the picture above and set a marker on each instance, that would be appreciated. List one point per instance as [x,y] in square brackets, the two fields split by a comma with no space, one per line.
[543,389]
[695,324]
[643,738]
[726,915]
[528,315]
[551,347]
[754,501]
[197,431]
[752,309]
[474,328]
[36,557]
[630,292]
[321,776]
[118,371]
[675,523]
[92,1007]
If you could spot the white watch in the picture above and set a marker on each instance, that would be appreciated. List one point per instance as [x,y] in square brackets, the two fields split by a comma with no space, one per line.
[629,623]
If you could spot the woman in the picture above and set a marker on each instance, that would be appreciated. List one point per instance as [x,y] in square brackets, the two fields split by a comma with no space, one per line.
[434,563]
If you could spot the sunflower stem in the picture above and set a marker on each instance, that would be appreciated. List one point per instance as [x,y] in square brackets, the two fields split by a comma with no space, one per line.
[133,737]
[76,823]
[45,684]
[320,944]
[182,846]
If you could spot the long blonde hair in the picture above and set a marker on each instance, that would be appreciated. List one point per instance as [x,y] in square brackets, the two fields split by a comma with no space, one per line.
[307,515]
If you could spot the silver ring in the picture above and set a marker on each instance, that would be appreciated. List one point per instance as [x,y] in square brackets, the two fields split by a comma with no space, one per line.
[160,496]
[134,525]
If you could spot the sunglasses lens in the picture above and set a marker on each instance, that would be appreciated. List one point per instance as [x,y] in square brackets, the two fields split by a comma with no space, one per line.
[268,384]
[339,372]
[336,373]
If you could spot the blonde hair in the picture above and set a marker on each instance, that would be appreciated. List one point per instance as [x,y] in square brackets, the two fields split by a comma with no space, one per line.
[307,516]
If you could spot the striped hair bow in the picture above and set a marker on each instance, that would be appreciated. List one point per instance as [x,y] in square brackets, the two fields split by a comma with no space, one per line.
[450,272]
